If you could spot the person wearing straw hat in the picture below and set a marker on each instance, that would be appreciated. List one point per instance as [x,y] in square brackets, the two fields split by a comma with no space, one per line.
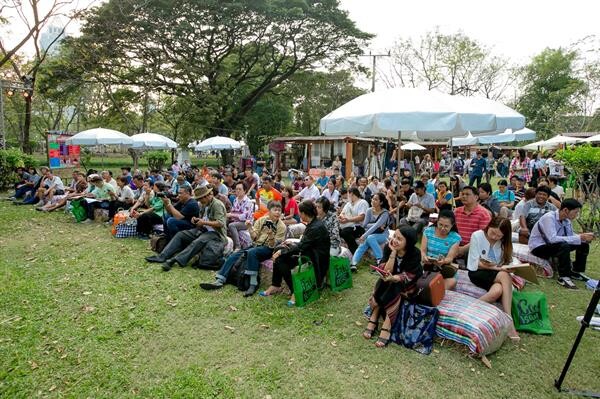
[210,226]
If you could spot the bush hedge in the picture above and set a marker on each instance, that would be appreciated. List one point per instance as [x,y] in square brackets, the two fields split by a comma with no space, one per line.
[10,160]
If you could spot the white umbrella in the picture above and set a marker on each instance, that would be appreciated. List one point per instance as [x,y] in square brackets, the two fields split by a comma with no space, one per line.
[431,114]
[412,147]
[218,143]
[99,136]
[146,141]
[593,139]
[464,141]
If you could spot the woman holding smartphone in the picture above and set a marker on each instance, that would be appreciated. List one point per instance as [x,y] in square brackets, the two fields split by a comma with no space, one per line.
[439,247]
[402,268]
[491,248]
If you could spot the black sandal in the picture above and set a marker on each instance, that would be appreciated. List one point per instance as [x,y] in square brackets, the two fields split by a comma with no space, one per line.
[369,331]
[383,342]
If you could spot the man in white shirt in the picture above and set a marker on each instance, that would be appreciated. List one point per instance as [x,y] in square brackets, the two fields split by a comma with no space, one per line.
[420,202]
[310,192]
[52,185]
[351,218]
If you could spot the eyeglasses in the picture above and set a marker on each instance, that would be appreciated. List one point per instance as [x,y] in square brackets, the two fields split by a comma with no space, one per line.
[444,226]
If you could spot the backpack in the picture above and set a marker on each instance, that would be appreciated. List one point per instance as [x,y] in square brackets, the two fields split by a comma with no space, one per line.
[158,242]
[211,257]
[78,210]
[237,275]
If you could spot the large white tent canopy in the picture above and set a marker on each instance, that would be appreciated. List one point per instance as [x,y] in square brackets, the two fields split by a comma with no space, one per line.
[431,114]
[508,136]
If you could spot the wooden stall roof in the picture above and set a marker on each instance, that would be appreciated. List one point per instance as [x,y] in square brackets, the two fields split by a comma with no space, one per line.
[354,139]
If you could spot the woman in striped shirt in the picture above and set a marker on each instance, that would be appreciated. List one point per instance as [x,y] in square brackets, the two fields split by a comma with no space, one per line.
[439,247]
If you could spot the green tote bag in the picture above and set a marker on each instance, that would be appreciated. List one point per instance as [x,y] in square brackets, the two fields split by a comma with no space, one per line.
[530,312]
[304,282]
[340,276]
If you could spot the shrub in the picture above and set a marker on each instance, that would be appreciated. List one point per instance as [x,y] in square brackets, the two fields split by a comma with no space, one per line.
[9,161]
[157,159]
[583,162]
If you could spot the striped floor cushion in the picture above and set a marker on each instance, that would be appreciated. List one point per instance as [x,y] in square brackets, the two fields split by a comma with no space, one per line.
[465,286]
[521,252]
[478,325]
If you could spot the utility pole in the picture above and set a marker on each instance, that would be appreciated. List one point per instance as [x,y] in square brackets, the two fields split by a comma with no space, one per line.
[375,66]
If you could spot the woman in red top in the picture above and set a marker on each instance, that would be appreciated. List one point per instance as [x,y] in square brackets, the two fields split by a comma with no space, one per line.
[291,214]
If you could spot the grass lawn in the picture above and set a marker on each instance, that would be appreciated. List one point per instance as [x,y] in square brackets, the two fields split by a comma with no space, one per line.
[82,315]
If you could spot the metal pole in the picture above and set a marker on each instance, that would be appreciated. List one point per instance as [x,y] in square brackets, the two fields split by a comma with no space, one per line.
[585,323]
[373,78]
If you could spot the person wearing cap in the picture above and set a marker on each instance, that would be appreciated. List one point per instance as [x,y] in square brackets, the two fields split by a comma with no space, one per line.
[178,183]
[210,226]
[154,209]
[102,192]
[533,210]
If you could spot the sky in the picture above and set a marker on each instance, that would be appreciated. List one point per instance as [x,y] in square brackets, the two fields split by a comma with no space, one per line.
[517,29]
[514,29]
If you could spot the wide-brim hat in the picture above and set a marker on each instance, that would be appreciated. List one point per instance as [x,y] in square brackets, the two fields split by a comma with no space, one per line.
[202,192]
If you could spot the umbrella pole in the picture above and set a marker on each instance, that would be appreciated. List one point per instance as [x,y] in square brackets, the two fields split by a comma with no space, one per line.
[451,158]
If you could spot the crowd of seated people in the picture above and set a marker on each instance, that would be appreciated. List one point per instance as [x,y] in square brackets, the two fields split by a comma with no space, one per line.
[200,208]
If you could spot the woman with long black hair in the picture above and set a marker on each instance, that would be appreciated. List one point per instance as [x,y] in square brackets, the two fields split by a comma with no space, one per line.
[402,268]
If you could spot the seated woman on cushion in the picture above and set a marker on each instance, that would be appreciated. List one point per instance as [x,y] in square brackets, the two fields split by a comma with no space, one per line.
[490,249]
[155,209]
[402,264]
[439,247]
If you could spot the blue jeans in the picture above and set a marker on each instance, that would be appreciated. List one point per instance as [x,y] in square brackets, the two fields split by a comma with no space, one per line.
[374,242]
[174,226]
[253,258]
[22,191]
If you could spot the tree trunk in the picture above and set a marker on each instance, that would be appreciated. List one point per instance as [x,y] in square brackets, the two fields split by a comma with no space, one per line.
[26,144]
[135,155]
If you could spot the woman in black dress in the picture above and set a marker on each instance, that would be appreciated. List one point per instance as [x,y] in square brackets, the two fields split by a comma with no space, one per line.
[402,264]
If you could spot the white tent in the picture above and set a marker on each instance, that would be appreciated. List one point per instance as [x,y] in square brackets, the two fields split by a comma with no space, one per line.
[593,139]
[506,137]
[554,142]
[431,114]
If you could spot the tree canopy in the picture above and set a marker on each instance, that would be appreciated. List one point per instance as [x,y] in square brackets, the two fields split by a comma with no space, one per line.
[222,56]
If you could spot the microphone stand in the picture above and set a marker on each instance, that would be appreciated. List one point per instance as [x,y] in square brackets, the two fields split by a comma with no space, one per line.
[585,323]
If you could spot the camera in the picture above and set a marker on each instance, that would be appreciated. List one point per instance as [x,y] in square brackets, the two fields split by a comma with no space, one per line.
[270,225]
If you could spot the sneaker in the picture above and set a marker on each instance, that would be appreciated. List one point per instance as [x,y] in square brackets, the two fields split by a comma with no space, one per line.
[353,268]
[567,283]
[86,221]
[218,284]
[579,276]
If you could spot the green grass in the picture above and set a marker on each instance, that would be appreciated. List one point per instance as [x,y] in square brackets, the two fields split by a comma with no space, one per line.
[82,315]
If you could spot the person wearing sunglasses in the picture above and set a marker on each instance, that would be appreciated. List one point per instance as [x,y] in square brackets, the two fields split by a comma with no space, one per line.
[310,191]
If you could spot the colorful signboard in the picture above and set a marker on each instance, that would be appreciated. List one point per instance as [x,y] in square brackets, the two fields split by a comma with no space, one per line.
[61,155]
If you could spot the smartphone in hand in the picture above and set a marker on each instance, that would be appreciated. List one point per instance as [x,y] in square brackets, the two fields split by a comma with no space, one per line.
[382,272]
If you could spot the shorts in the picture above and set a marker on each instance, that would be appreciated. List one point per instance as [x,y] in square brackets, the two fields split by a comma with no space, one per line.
[483,278]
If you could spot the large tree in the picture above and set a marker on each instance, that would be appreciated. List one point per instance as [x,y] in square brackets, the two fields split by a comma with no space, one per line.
[223,56]
[550,87]
[455,64]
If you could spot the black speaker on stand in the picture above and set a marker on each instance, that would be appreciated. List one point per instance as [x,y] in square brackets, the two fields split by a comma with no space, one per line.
[585,323]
